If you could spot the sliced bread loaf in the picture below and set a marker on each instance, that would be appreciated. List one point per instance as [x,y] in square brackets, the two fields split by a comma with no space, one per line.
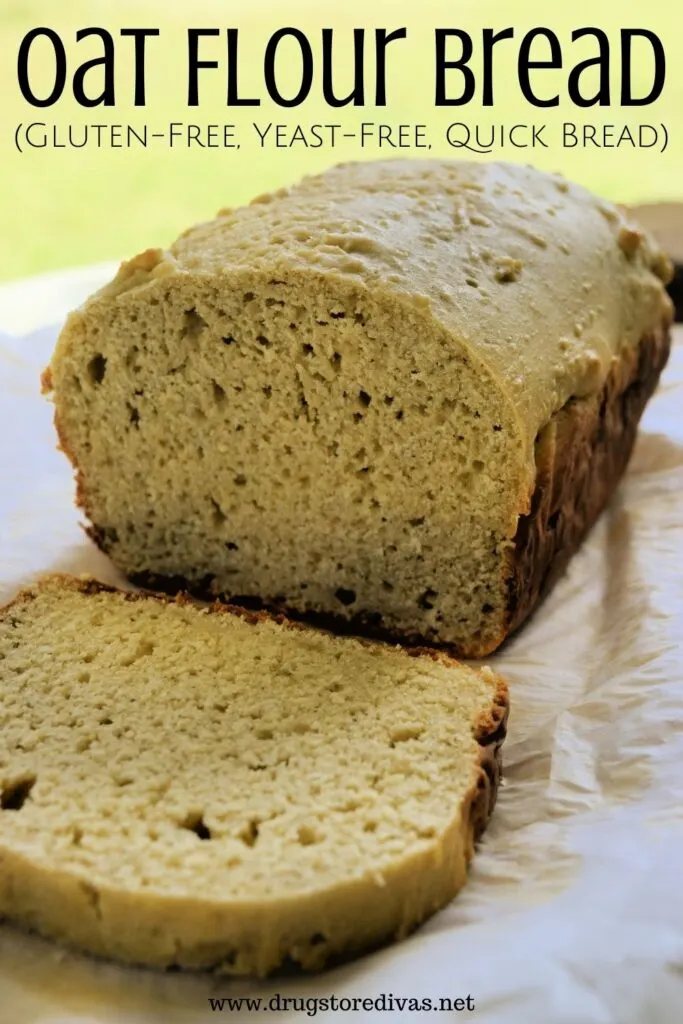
[204,788]
[398,394]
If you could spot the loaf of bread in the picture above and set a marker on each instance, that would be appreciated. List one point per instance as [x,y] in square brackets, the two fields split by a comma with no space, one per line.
[395,396]
[203,788]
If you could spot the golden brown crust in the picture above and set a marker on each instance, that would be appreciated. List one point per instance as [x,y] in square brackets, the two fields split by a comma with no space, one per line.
[490,733]
[63,446]
[46,381]
[581,456]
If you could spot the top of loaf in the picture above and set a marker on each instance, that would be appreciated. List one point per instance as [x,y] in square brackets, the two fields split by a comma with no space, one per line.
[540,280]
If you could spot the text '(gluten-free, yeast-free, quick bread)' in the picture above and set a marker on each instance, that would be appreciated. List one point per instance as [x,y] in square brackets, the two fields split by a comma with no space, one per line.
[189,786]
[398,394]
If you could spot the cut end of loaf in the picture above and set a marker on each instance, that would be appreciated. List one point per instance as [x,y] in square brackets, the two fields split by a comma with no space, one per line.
[206,788]
[265,450]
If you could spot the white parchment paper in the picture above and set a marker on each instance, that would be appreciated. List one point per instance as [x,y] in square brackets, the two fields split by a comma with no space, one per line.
[574,910]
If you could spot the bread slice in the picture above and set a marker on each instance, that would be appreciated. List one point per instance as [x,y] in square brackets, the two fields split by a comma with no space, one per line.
[208,788]
[340,400]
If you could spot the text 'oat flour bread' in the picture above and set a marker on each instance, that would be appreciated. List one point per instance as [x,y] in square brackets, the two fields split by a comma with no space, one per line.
[184,786]
[399,394]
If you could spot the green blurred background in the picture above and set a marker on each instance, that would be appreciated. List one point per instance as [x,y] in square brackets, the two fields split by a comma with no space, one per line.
[61,208]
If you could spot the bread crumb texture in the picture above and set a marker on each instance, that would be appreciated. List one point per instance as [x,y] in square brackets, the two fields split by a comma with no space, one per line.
[330,399]
[186,786]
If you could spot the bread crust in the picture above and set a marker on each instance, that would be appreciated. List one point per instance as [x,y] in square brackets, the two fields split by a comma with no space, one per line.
[676,291]
[55,895]
[581,456]
[665,223]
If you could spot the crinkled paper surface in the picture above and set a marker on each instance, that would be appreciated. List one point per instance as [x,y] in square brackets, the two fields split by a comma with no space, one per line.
[574,909]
